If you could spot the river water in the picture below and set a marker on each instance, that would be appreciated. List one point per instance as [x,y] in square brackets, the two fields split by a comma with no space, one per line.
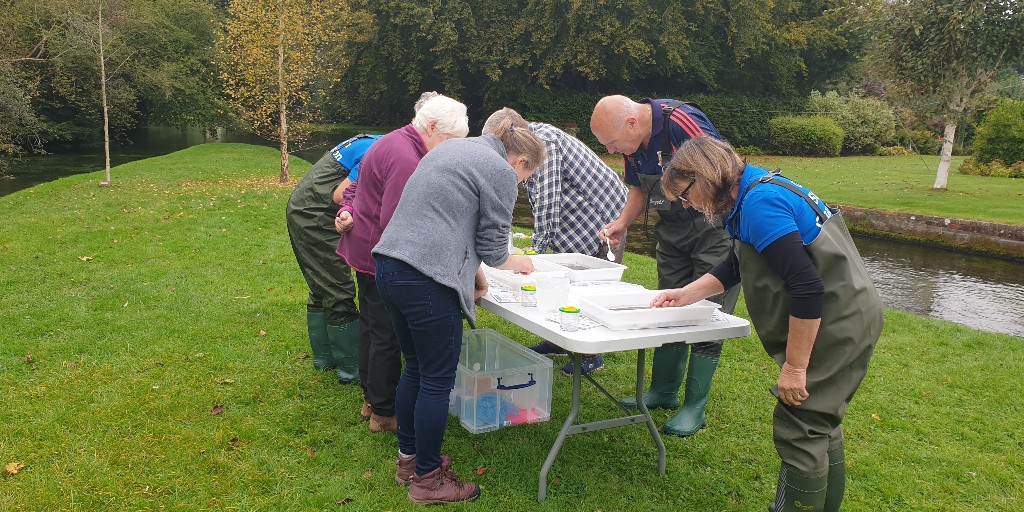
[976,291]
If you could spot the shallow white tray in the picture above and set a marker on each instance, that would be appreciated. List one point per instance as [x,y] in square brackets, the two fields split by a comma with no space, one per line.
[514,281]
[594,269]
[615,311]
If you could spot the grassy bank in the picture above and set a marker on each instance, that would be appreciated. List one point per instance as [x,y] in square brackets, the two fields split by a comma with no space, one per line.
[153,356]
[900,184]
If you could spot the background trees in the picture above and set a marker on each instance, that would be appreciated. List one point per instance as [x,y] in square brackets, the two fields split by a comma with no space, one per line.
[949,53]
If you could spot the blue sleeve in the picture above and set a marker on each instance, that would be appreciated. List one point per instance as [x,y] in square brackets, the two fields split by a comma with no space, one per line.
[352,155]
[769,218]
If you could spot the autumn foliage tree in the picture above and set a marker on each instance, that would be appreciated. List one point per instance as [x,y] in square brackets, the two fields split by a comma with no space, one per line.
[271,53]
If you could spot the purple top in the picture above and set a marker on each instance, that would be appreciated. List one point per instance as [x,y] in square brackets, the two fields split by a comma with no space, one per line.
[385,169]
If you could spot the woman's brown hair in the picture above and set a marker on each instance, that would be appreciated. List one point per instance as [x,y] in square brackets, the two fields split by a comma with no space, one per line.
[514,133]
[713,167]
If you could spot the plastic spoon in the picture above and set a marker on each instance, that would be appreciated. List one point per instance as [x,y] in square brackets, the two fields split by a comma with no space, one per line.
[611,257]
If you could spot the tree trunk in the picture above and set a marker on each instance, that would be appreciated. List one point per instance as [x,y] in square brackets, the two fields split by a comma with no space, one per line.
[103,97]
[282,103]
[947,151]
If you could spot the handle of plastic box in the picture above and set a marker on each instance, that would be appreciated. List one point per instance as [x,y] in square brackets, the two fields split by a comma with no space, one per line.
[517,386]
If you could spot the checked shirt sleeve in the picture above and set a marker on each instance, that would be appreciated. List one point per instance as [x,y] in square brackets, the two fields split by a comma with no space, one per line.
[545,192]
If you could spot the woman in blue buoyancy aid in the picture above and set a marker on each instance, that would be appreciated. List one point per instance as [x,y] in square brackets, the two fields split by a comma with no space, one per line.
[810,300]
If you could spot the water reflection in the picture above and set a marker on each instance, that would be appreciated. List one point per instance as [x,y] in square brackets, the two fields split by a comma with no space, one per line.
[979,292]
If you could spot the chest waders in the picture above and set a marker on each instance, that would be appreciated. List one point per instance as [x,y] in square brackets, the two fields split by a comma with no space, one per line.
[688,247]
[809,437]
[331,313]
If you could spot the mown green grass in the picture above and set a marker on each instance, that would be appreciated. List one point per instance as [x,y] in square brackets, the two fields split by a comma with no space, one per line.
[147,304]
[899,184]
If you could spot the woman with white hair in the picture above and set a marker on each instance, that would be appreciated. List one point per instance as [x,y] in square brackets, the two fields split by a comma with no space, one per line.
[361,220]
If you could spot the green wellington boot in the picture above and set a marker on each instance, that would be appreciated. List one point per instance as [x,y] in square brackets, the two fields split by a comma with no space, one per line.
[799,493]
[344,341]
[667,371]
[691,417]
[836,479]
[316,324]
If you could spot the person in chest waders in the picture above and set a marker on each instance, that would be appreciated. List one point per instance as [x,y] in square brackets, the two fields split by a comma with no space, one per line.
[810,300]
[647,133]
[331,312]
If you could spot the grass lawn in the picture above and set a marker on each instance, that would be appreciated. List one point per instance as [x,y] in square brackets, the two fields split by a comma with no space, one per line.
[899,184]
[153,356]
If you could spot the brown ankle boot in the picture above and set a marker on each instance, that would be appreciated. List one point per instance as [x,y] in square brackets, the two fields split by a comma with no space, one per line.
[441,486]
[383,423]
[365,411]
[404,470]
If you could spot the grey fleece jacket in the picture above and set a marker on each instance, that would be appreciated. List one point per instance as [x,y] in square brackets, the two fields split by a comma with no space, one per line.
[455,212]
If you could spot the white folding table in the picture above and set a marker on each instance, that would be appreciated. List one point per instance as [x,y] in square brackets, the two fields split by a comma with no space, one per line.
[599,340]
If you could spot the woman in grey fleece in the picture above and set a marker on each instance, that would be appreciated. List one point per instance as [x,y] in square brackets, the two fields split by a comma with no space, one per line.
[455,212]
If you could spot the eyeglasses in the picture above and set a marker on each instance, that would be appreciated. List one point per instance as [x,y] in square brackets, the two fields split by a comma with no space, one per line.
[683,195]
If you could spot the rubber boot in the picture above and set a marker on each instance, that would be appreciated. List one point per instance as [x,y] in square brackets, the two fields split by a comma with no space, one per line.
[799,493]
[345,349]
[836,479]
[691,417]
[667,370]
[316,324]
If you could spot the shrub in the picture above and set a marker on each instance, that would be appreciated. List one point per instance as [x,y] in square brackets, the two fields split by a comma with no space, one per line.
[749,150]
[923,142]
[806,136]
[868,123]
[995,168]
[893,151]
[1000,135]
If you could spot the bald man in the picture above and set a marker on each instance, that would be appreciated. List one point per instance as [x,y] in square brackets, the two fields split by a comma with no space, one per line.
[647,134]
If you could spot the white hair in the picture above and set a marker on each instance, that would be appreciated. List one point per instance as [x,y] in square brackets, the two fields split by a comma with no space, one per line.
[450,116]
[423,99]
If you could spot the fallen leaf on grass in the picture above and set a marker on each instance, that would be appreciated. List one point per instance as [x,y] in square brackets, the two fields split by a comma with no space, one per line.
[264,333]
[242,297]
[28,357]
[217,410]
[345,501]
[310,451]
[221,381]
[481,470]
[303,356]
[233,440]
[12,468]
[876,417]
[367,474]
[85,258]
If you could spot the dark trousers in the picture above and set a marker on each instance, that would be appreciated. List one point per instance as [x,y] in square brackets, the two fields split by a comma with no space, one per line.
[428,321]
[380,356]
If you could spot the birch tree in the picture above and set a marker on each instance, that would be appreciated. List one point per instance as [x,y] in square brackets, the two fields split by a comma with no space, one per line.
[949,52]
[272,51]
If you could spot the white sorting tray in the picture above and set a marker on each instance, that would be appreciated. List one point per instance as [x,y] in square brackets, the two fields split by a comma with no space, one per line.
[614,311]
[514,281]
[597,269]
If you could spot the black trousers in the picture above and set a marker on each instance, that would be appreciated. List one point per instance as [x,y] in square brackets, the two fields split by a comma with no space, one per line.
[380,355]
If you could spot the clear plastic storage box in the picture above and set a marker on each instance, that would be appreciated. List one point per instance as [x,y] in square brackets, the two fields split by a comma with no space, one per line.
[499,383]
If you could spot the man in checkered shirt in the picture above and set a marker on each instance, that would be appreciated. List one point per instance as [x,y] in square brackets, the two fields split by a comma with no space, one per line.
[573,195]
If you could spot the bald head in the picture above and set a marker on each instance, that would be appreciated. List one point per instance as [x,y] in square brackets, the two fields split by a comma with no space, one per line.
[620,124]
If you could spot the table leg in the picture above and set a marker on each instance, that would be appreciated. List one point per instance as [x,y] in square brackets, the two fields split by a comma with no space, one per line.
[640,356]
[570,421]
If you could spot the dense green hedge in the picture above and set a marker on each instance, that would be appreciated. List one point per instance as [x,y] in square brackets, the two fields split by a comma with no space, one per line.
[806,136]
[742,120]
[1000,135]
[868,123]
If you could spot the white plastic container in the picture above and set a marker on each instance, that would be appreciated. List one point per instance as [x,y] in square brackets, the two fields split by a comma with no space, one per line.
[631,310]
[499,383]
[582,267]
[514,281]
[552,290]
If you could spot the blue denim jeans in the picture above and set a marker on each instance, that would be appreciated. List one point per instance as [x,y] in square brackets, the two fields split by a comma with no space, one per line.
[427,317]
